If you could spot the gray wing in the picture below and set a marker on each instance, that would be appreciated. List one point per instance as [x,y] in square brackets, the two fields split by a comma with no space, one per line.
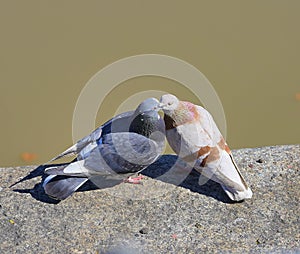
[124,152]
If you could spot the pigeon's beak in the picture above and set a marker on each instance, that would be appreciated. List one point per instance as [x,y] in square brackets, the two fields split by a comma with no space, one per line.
[161,105]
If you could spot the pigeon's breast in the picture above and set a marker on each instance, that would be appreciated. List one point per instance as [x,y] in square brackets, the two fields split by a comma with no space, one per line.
[187,139]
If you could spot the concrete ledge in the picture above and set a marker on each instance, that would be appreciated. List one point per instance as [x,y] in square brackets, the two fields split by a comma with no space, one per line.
[159,217]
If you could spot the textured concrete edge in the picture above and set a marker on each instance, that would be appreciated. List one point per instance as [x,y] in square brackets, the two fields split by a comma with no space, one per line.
[267,223]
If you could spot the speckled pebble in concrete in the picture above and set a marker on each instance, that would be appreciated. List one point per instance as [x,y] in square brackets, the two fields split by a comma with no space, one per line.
[157,216]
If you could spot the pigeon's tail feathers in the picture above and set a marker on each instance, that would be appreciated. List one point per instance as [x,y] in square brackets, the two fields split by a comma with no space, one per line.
[76,169]
[226,173]
[72,151]
[61,187]
[80,145]
[237,195]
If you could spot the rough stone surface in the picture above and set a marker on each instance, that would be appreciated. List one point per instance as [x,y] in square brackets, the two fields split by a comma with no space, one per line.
[158,216]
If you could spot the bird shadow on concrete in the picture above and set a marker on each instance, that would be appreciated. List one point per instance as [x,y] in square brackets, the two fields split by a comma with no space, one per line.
[165,169]
[168,170]
[38,193]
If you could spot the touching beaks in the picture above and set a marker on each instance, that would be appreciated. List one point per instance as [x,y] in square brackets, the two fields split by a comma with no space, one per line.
[161,105]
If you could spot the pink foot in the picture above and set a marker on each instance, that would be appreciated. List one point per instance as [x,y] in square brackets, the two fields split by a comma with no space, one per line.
[134,180]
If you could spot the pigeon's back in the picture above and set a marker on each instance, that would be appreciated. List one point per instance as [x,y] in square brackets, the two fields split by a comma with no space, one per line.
[119,123]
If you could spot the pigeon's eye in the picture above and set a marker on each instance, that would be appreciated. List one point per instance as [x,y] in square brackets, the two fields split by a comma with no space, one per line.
[169,103]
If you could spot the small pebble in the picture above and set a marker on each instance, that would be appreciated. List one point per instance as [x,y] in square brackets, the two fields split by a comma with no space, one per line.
[129,202]
[198,225]
[259,161]
[144,231]
[174,236]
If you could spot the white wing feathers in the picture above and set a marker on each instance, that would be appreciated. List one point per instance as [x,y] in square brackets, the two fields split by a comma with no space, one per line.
[76,168]
[204,139]
[225,172]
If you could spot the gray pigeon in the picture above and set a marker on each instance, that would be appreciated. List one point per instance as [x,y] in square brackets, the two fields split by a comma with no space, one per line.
[123,146]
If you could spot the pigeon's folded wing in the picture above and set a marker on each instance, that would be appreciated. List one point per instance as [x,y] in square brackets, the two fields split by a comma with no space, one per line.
[118,153]
[127,152]
[225,172]
[209,126]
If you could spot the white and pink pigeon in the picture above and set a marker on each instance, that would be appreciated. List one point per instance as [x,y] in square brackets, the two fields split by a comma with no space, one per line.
[195,138]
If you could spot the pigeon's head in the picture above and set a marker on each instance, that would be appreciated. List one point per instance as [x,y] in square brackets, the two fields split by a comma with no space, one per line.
[168,103]
[146,119]
[147,106]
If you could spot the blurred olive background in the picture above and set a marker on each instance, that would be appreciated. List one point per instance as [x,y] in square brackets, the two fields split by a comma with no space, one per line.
[249,50]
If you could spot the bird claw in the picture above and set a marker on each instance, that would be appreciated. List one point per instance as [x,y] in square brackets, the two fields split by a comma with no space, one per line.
[134,180]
